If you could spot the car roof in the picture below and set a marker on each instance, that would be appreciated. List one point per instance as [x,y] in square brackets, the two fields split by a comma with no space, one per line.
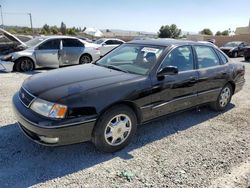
[111,39]
[57,36]
[167,42]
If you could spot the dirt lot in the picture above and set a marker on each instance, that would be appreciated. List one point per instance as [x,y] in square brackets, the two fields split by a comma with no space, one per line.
[197,148]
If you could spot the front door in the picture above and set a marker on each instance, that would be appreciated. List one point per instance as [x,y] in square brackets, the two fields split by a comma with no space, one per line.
[175,92]
[47,53]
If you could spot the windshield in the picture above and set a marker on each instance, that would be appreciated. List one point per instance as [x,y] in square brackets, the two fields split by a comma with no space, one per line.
[34,42]
[232,44]
[99,41]
[132,58]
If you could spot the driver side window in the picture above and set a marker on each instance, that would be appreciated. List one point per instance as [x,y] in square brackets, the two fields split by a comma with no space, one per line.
[180,57]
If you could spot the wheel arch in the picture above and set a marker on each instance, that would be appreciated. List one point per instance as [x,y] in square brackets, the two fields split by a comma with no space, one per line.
[130,104]
[232,84]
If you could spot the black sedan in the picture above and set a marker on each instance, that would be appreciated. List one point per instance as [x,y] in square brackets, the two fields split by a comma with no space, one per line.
[133,84]
[234,48]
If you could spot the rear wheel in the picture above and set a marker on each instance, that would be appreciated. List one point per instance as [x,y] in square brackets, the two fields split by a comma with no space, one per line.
[223,99]
[115,129]
[84,59]
[24,65]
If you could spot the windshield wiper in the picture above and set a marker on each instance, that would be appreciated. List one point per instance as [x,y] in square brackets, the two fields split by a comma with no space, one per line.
[115,68]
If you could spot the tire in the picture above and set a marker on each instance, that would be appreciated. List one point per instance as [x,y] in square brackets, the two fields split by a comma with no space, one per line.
[246,58]
[235,54]
[114,129]
[84,59]
[24,64]
[223,99]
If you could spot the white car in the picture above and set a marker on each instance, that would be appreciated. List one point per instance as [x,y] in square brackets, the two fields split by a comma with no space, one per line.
[53,52]
[108,44]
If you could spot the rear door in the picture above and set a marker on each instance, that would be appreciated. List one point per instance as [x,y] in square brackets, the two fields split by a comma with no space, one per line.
[47,53]
[71,51]
[176,92]
[213,73]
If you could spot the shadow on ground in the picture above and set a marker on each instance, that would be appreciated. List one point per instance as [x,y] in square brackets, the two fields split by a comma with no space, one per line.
[24,163]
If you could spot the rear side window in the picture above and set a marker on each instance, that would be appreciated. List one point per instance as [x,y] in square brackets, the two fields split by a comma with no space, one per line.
[52,44]
[109,42]
[72,43]
[117,42]
[180,57]
[206,57]
[223,58]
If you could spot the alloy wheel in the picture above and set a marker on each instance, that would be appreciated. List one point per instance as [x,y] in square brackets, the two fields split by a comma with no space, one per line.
[225,96]
[26,65]
[118,130]
[85,59]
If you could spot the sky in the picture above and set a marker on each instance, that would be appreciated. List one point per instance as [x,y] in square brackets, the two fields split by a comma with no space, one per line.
[135,15]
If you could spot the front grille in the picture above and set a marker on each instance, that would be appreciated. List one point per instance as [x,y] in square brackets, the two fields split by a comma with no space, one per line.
[25,97]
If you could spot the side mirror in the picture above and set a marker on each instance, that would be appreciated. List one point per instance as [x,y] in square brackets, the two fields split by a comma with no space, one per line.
[104,44]
[169,70]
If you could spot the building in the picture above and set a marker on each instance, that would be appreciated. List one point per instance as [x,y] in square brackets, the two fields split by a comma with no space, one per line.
[243,30]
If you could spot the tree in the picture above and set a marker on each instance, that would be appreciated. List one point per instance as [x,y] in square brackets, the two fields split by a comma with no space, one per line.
[206,31]
[218,33]
[54,29]
[63,28]
[71,31]
[84,29]
[45,29]
[225,33]
[169,31]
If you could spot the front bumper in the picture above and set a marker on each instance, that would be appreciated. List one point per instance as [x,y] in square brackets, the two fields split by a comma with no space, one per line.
[6,66]
[52,132]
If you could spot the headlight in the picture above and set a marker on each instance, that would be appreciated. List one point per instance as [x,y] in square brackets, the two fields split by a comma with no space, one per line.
[7,57]
[49,109]
[232,50]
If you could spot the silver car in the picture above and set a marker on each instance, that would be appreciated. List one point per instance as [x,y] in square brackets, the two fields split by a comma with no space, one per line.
[53,52]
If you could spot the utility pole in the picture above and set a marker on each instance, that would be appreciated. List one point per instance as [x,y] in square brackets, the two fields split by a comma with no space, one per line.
[2,16]
[31,26]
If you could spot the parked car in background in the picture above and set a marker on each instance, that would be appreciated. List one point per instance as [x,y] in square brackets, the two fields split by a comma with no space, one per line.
[108,44]
[247,53]
[135,83]
[53,52]
[85,39]
[234,48]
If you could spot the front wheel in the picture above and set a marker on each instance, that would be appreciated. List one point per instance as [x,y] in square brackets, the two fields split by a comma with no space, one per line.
[223,99]
[24,65]
[84,59]
[246,58]
[115,129]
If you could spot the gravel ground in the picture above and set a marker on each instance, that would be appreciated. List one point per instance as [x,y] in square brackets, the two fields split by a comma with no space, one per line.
[197,148]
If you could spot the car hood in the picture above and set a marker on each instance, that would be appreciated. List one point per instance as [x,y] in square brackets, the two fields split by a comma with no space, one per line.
[11,37]
[56,84]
